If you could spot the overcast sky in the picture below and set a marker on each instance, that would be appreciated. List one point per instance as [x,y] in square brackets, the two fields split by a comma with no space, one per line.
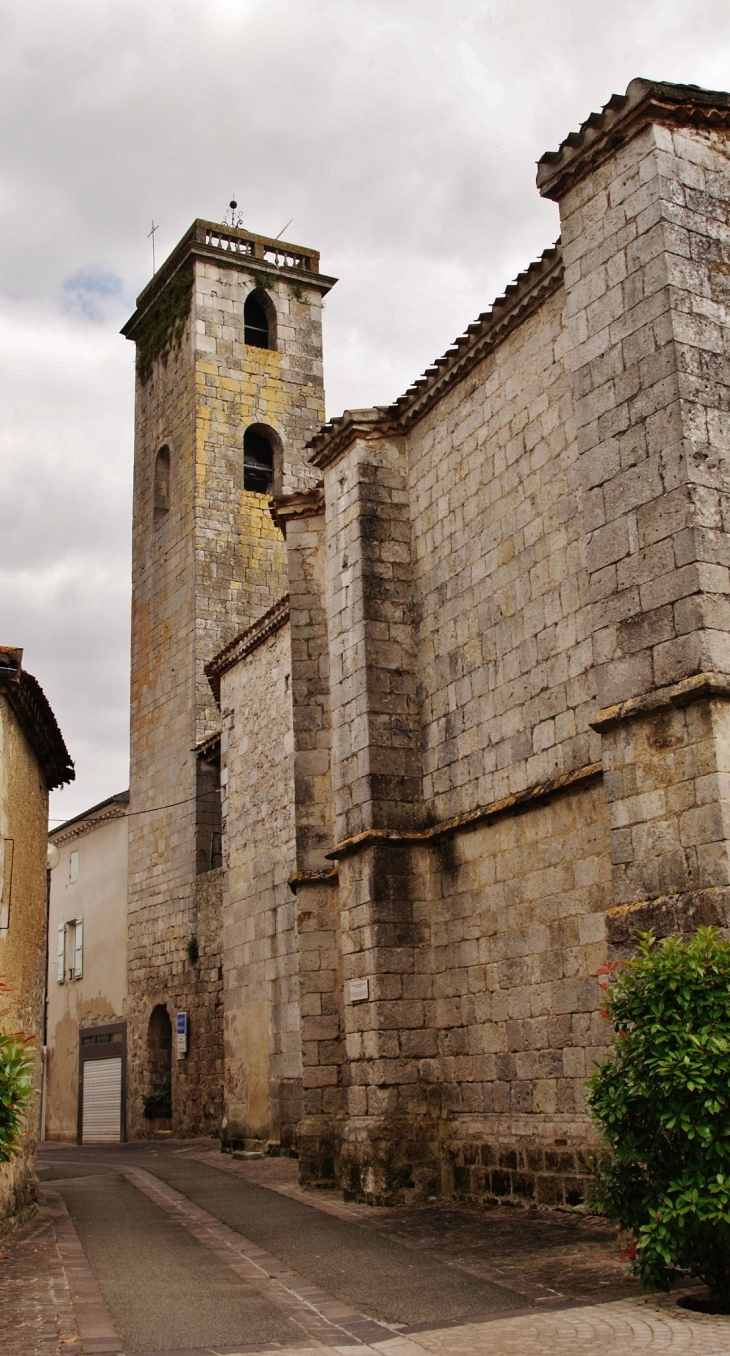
[400,135]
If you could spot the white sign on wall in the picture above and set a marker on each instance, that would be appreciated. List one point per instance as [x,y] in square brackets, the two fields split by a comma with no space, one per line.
[181,1033]
[359,990]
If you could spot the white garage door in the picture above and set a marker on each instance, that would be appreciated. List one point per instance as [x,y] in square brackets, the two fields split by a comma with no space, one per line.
[102,1104]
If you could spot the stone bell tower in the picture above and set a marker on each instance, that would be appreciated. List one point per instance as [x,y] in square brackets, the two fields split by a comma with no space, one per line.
[229,389]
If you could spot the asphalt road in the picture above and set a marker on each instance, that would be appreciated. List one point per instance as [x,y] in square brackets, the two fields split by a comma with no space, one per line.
[167,1291]
[164,1289]
[374,1274]
[262,1270]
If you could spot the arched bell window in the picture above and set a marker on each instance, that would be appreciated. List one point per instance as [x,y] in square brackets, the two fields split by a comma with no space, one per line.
[259,320]
[162,483]
[258,459]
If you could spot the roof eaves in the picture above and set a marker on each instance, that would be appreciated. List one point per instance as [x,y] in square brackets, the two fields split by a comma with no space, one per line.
[520,298]
[528,291]
[34,715]
[120,799]
[243,644]
[621,118]
[337,435]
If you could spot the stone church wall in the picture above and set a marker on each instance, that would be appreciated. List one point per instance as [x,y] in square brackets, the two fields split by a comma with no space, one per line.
[457,600]
[486,738]
[259,942]
[504,646]
[526,602]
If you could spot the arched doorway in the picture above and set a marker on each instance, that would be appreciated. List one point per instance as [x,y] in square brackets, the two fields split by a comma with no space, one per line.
[158,1101]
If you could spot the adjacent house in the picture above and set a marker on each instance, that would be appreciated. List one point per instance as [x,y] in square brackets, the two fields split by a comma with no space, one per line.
[87,976]
[33,761]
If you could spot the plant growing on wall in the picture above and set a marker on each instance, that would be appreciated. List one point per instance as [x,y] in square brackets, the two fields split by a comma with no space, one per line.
[193,952]
[157,1103]
[264,280]
[161,329]
[16,1086]
[662,1100]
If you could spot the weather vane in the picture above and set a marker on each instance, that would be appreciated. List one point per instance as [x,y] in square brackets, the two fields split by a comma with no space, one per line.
[236,219]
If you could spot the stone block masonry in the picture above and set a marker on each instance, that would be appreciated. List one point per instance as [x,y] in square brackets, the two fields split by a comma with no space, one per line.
[646,244]
[528,669]
[484,739]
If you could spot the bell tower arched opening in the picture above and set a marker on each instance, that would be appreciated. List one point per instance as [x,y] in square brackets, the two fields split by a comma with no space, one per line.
[259,320]
[261,459]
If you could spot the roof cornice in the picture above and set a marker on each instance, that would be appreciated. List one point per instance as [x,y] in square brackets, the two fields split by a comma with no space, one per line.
[245,643]
[289,508]
[34,715]
[352,426]
[114,807]
[233,248]
[645,102]
[523,296]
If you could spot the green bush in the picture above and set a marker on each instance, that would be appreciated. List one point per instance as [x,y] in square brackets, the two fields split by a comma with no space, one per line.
[16,1087]
[662,1100]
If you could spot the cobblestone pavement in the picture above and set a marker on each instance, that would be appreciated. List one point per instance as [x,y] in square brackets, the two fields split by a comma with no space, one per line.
[36,1314]
[614,1329]
[554,1268]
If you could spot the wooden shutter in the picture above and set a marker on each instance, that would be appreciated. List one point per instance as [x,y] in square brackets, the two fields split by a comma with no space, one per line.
[61,953]
[79,949]
[6,881]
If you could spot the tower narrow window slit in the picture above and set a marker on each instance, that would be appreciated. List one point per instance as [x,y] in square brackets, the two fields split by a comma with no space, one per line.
[162,483]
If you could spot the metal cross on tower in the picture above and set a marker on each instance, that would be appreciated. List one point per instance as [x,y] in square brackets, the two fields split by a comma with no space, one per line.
[152,233]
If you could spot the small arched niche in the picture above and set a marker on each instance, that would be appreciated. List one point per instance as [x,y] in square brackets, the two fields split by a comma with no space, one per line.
[259,320]
[162,483]
[159,1059]
[261,460]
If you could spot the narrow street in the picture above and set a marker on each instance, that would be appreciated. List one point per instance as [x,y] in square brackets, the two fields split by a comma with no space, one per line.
[175,1250]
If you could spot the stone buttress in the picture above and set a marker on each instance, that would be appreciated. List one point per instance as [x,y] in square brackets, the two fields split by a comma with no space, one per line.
[644,200]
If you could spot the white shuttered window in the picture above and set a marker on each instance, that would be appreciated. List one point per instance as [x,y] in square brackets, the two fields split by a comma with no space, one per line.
[61,953]
[79,949]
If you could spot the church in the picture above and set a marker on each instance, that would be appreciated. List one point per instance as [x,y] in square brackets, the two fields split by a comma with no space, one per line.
[430,703]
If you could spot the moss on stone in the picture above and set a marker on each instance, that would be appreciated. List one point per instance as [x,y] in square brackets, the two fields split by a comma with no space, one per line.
[161,329]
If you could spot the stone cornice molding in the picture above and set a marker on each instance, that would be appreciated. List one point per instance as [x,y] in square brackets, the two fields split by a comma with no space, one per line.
[324,876]
[645,102]
[523,296]
[233,248]
[697,688]
[77,830]
[352,426]
[245,643]
[483,814]
[289,508]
